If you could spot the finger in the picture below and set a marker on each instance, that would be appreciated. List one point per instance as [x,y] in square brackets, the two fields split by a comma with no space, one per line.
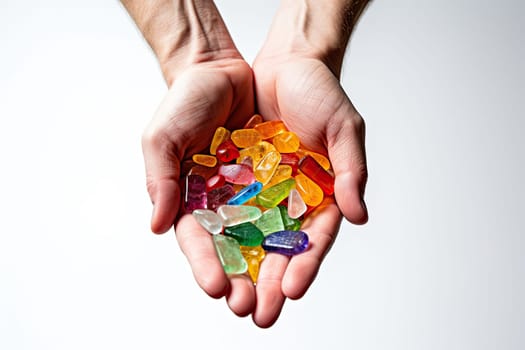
[241,295]
[321,226]
[162,174]
[269,294]
[197,245]
[346,148]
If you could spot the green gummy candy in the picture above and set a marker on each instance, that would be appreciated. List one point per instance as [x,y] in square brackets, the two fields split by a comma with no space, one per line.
[272,196]
[288,222]
[270,221]
[229,252]
[246,234]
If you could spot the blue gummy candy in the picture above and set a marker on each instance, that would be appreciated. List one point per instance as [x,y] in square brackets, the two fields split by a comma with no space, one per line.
[286,242]
[245,194]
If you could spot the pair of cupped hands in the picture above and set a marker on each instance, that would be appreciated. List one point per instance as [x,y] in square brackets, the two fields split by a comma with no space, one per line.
[307,96]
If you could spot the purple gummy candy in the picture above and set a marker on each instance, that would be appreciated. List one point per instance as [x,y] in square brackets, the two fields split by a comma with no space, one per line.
[219,196]
[286,242]
[195,193]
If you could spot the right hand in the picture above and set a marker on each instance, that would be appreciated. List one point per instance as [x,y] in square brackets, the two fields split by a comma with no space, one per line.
[201,98]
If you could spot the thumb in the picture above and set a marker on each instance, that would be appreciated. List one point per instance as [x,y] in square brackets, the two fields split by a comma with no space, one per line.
[346,148]
[162,179]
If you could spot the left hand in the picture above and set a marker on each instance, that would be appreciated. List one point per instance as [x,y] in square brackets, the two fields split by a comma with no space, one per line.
[305,94]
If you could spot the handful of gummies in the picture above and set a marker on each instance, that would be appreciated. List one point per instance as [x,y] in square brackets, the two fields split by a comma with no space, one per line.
[252,191]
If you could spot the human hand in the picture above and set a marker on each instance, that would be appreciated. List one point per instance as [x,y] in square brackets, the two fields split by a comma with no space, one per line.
[298,84]
[187,118]
[308,98]
[305,94]
[210,86]
[203,97]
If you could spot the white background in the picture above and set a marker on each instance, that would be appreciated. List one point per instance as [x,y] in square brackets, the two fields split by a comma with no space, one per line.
[440,265]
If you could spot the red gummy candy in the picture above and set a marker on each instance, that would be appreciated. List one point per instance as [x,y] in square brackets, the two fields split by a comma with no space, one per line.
[227,151]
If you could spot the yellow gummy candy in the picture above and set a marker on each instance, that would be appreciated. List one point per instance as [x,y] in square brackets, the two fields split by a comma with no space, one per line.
[286,142]
[270,129]
[221,135]
[282,173]
[243,138]
[253,256]
[310,192]
[256,152]
[265,169]
[204,159]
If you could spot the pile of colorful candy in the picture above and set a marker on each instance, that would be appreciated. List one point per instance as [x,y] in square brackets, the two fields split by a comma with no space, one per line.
[252,191]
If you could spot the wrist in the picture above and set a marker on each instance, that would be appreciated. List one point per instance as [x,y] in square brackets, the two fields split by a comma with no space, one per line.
[312,29]
[174,59]
[182,33]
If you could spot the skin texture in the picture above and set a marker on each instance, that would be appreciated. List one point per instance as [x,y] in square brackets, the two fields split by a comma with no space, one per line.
[295,78]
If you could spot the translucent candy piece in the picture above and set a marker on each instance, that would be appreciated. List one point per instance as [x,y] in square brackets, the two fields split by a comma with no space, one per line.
[286,242]
[195,193]
[209,220]
[272,196]
[229,253]
[220,196]
[309,166]
[270,129]
[286,142]
[296,205]
[247,160]
[245,194]
[227,151]
[253,256]
[232,215]
[204,171]
[243,138]
[247,234]
[205,160]
[310,192]
[239,174]
[256,152]
[282,173]
[214,182]
[254,120]
[221,135]
[270,221]
[266,167]
[325,163]
[292,160]
[288,222]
